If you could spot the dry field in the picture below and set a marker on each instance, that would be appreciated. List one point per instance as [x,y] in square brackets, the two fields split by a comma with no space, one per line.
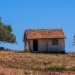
[18,63]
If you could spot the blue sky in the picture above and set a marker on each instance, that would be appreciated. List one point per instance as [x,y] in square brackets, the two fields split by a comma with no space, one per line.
[38,14]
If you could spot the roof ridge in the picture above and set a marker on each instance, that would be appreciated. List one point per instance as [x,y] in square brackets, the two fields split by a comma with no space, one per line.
[46,29]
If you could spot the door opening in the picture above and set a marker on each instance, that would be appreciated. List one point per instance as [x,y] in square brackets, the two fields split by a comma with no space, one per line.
[35,45]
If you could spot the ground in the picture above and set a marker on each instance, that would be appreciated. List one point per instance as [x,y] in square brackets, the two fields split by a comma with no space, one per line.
[20,63]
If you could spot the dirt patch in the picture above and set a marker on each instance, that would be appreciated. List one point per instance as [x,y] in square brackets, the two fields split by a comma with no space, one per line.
[16,63]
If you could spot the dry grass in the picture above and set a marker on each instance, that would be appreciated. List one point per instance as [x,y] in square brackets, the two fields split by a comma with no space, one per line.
[17,63]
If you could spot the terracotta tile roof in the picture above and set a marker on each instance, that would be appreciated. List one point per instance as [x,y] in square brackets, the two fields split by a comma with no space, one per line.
[44,33]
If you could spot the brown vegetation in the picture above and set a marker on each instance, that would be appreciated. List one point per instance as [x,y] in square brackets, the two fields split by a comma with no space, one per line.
[19,63]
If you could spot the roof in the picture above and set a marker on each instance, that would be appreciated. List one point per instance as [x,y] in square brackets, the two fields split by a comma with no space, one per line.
[44,33]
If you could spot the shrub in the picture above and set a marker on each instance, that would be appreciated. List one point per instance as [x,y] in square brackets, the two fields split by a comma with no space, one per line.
[58,69]
[26,51]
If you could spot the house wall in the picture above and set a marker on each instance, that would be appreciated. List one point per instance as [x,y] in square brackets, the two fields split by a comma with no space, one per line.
[31,45]
[26,45]
[41,44]
[59,47]
[46,45]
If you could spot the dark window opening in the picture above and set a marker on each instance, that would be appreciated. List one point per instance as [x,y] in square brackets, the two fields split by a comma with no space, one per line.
[54,41]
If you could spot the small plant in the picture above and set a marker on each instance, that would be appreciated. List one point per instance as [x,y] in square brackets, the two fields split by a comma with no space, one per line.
[26,72]
[45,63]
[26,51]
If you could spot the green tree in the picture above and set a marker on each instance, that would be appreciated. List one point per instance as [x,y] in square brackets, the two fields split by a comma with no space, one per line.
[74,41]
[6,34]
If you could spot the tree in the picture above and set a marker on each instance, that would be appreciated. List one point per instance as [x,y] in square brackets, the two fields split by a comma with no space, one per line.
[74,41]
[6,34]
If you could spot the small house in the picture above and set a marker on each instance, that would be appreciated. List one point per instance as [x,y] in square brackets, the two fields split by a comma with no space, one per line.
[44,40]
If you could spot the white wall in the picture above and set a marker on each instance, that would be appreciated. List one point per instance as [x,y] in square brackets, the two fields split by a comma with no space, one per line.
[31,45]
[27,45]
[41,44]
[46,45]
[59,47]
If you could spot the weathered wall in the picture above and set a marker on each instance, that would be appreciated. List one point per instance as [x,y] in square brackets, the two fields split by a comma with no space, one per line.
[46,45]
[59,47]
[41,44]
[31,45]
[27,45]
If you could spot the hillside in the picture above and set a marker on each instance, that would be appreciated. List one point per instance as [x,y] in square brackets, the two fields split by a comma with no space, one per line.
[19,63]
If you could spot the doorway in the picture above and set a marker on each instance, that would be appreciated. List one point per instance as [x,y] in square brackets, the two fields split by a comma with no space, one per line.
[35,45]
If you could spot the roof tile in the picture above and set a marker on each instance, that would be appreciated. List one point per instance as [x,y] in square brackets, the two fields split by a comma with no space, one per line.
[44,33]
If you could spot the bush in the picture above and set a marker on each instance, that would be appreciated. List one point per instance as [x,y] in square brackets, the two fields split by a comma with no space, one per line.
[1,48]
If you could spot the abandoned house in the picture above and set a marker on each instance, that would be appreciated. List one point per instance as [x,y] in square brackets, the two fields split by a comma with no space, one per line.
[44,40]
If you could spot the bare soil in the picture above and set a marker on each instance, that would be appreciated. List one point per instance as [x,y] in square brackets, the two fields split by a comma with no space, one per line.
[19,63]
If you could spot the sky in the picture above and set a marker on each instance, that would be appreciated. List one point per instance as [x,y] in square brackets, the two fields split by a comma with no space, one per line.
[38,14]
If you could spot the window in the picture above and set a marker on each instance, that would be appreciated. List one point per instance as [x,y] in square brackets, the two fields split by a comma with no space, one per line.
[54,41]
